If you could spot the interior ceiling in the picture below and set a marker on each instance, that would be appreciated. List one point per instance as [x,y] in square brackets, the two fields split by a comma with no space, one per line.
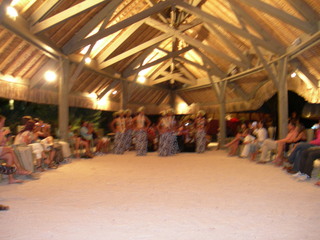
[191,47]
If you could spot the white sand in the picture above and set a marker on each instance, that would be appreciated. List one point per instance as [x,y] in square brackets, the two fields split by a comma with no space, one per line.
[185,197]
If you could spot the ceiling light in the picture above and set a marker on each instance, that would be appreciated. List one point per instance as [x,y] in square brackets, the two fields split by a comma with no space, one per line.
[93,95]
[14,2]
[141,79]
[87,60]
[114,92]
[293,74]
[50,76]
[12,12]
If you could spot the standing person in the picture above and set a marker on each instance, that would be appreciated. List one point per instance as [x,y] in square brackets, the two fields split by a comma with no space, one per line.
[141,123]
[166,128]
[118,126]
[200,124]
[129,129]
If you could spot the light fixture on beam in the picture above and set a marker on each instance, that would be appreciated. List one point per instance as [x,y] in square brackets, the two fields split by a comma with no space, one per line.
[141,79]
[87,60]
[50,76]
[12,12]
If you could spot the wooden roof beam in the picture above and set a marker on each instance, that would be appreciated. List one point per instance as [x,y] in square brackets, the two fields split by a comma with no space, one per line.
[134,50]
[138,61]
[194,42]
[160,70]
[229,43]
[305,10]
[241,13]
[168,56]
[73,46]
[43,10]
[124,36]
[282,15]
[187,61]
[105,14]
[65,15]
[147,44]
[208,18]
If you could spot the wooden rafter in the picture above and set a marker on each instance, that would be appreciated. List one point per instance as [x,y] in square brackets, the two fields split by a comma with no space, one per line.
[281,15]
[105,13]
[42,11]
[206,17]
[241,13]
[134,50]
[65,15]
[124,36]
[116,27]
[305,10]
[194,42]
[168,56]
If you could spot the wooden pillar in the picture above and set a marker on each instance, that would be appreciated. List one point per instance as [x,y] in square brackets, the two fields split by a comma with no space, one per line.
[222,122]
[124,95]
[283,98]
[221,88]
[63,99]
[172,100]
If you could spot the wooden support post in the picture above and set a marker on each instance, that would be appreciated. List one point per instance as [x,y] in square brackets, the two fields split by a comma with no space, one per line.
[283,98]
[124,95]
[222,115]
[172,100]
[63,99]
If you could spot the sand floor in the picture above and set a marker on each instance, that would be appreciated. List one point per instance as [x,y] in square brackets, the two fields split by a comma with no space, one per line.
[185,197]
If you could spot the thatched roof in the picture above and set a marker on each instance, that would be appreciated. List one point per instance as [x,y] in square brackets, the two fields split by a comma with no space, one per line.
[184,49]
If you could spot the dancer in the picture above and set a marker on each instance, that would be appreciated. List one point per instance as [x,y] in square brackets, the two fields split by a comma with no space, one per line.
[141,123]
[200,124]
[168,144]
[129,129]
[118,126]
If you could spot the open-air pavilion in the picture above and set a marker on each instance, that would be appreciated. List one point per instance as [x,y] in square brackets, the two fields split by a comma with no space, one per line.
[215,55]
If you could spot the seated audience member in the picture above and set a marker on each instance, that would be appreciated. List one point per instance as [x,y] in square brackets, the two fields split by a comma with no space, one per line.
[76,142]
[86,135]
[261,135]
[308,157]
[295,156]
[27,137]
[98,142]
[247,142]
[270,144]
[7,171]
[283,146]
[7,154]
[234,144]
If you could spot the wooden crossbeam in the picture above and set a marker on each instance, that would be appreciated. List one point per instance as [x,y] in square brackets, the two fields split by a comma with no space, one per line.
[208,18]
[281,15]
[116,27]
[65,15]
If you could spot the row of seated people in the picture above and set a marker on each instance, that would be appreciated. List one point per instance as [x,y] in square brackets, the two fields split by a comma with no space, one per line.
[87,138]
[293,152]
[33,141]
